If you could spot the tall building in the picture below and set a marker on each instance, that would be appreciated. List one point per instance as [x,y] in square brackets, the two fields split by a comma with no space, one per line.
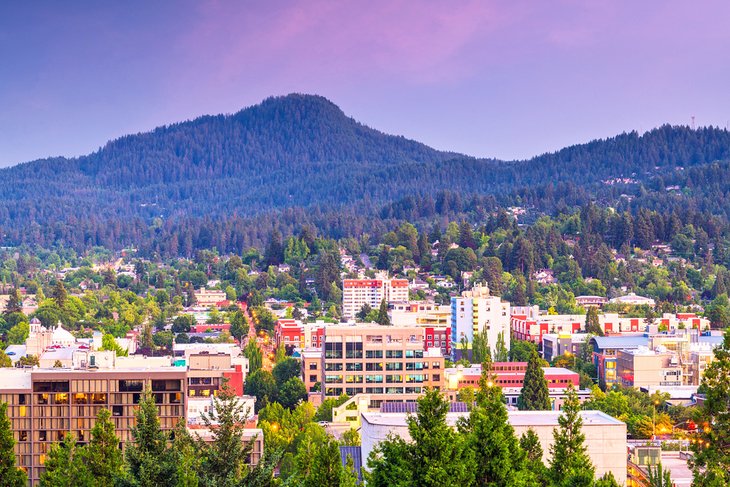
[46,404]
[476,311]
[357,292]
[387,362]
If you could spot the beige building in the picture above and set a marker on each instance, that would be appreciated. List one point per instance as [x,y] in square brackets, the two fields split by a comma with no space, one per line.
[476,311]
[208,298]
[386,362]
[642,368]
[358,292]
[605,436]
[45,404]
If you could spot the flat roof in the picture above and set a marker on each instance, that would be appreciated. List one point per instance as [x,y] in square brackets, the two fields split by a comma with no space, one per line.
[12,378]
[516,418]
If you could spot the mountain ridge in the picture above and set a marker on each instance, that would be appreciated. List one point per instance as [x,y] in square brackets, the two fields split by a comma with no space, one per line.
[294,159]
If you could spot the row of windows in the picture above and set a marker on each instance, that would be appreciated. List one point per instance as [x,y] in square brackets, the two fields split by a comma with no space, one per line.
[377,379]
[351,391]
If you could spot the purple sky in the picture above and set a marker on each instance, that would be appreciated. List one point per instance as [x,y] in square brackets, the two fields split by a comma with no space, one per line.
[507,79]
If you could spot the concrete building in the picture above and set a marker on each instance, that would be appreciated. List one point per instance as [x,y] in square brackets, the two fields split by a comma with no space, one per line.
[642,368]
[605,436]
[207,298]
[387,362]
[476,311]
[554,345]
[290,332]
[45,404]
[358,292]
[510,377]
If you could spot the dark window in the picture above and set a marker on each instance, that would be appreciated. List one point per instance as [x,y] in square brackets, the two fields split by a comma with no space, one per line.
[131,385]
[167,385]
[117,410]
[51,386]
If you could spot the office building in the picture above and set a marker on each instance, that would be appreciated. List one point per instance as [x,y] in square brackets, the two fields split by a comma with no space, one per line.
[358,292]
[476,311]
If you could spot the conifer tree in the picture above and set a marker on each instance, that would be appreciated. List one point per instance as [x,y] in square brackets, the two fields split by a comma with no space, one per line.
[102,454]
[65,466]
[383,318]
[593,325]
[10,474]
[15,302]
[530,444]
[570,464]
[148,458]
[534,395]
[658,477]
[498,459]
[711,461]
[501,354]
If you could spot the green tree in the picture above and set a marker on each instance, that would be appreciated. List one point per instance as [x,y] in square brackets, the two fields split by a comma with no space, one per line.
[501,354]
[65,466]
[285,370]
[10,474]
[223,458]
[15,302]
[593,324]
[5,361]
[262,385]
[534,395]
[383,318]
[711,461]
[570,464]
[108,342]
[254,355]
[521,350]
[439,455]
[239,325]
[365,310]
[59,294]
[185,457]
[658,477]
[530,444]
[327,469]
[18,334]
[499,460]
[292,392]
[480,348]
[103,456]
[148,459]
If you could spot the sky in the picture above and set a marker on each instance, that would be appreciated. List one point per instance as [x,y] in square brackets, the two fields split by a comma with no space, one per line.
[507,79]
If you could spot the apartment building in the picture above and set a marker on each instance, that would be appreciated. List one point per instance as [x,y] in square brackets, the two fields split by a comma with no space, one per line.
[387,362]
[45,404]
[527,323]
[358,292]
[476,311]
[208,298]
[290,332]
[642,368]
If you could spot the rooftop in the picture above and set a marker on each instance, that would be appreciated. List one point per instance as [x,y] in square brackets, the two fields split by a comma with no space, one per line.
[516,418]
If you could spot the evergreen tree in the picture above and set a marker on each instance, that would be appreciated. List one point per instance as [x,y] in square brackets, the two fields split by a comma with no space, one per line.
[254,355]
[711,461]
[15,302]
[10,474]
[438,454]
[570,464]
[534,395]
[60,295]
[383,318]
[274,254]
[593,325]
[501,354]
[102,455]
[65,466]
[326,469]
[223,457]
[530,444]
[658,477]
[498,459]
[364,312]
[480,348]
[185,457]
[148,459]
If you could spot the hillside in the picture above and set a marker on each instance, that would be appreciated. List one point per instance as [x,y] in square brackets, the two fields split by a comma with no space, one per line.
[226,180]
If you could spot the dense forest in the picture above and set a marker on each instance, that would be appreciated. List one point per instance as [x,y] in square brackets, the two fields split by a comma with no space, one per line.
[227,181]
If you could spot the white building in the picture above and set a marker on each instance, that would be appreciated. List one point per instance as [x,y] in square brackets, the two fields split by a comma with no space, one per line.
[605,436]
[358,292]
[476,311]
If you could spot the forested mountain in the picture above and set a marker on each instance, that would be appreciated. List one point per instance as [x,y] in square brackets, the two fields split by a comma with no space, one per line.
[226,181]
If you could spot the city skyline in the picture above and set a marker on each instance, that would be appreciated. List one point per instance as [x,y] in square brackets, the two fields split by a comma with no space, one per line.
[487,79]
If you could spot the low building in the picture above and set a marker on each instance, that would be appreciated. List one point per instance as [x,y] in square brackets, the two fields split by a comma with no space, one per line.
[605,437]
[642,368]
[209,298]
